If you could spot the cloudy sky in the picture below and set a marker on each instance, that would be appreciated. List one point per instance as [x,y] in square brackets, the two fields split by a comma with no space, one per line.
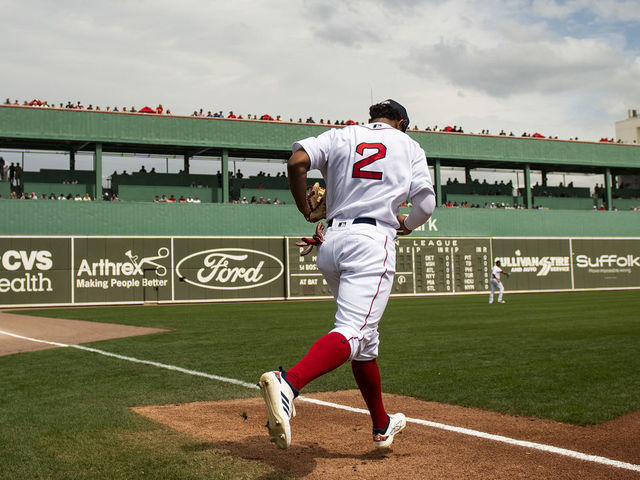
[566,68]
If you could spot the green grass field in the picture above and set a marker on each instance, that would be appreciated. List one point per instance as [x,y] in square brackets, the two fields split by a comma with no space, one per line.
[64,413]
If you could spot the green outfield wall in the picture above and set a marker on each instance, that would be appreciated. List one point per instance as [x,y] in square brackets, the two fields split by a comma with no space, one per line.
[92,253]
[94,270]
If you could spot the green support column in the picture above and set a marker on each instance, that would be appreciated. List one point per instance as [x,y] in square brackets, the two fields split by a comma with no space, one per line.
[527,186]
[72,160]
[225,176]
[185,167]
[437,181]
[607,186]
[97,168]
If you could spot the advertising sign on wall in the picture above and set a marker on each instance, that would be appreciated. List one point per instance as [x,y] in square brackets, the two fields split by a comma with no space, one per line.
[534,263]
[606,263]
[129,269]
[35,270]
[228,268]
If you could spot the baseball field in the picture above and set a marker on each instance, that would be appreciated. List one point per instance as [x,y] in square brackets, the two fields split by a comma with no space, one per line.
[544,386]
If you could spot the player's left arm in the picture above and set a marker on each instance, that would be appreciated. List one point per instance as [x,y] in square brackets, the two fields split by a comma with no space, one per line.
[297,167]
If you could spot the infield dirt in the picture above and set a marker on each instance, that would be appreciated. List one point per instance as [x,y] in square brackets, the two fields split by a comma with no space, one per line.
[59,330]
[332,443]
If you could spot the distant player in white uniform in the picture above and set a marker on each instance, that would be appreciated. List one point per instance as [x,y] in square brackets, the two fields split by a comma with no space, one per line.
[370,170]
[496,283]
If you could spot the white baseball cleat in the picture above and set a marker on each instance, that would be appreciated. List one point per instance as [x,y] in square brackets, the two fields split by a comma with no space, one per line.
[384,439]
[501,301]
[279,399]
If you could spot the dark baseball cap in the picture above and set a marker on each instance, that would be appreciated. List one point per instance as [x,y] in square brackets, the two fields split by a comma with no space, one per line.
[401,111]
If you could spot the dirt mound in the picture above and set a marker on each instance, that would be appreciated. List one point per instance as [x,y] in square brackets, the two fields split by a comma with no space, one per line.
[334,443]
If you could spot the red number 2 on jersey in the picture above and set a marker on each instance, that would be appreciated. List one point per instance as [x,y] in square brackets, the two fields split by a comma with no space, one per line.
[381,152]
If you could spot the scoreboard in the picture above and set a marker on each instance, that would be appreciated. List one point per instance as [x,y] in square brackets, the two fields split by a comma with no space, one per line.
[423,266]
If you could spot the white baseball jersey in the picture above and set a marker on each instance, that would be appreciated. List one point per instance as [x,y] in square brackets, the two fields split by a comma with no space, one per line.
[495,273]
[370,170]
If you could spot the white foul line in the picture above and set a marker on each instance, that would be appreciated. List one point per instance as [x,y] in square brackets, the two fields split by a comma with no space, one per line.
[464,431]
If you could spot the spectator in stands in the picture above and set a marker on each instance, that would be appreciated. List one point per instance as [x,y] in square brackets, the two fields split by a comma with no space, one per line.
[182,199]
[159,109]
[77,198]
[253,199]
[3,173]
[163,198]
[87,197]
[231,115]
[171,199]
[18,174]
[153,170]
[196,200]
[12,173]
[142,169]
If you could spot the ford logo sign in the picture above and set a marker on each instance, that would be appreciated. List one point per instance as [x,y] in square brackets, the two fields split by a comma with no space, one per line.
[229,269]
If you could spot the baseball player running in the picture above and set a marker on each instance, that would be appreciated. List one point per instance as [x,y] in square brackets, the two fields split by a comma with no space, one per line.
[369,171]
[496,283]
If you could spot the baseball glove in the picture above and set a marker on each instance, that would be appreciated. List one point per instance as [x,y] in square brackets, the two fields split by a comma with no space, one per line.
[309,243]
[316,202]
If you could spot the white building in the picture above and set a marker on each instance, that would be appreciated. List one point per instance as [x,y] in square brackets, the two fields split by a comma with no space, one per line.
[629,132]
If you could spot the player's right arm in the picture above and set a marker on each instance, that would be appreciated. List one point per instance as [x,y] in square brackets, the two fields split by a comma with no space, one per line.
[297,167]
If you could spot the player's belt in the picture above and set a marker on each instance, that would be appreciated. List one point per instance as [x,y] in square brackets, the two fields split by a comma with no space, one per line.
[370,221]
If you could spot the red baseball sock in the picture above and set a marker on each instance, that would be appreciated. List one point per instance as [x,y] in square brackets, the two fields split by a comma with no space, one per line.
[367,377]
[327,354]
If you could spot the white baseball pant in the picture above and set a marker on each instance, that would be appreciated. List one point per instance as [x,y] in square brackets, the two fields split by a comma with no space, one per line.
[358,262]
[495,284]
